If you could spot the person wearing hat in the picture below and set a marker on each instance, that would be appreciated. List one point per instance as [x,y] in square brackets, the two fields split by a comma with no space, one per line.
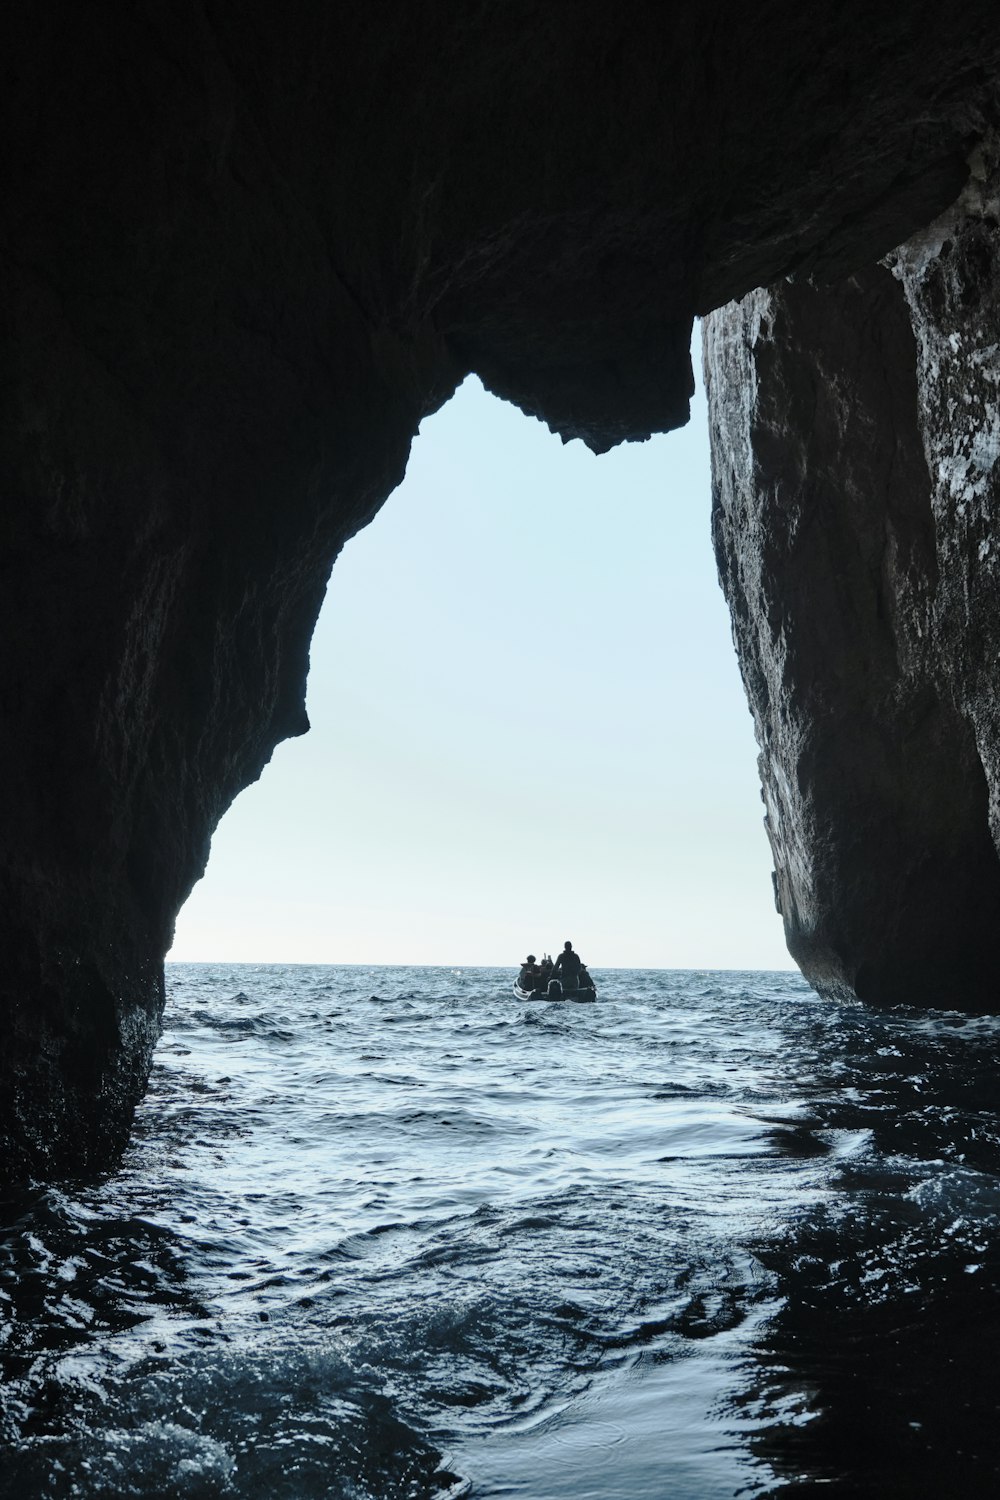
[530,973]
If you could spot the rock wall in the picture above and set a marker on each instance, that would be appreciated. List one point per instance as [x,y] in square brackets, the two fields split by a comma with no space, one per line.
[855,437]
[244,249]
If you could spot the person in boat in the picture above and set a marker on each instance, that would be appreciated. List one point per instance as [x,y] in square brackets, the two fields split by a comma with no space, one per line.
[584,982]
[567,967]
[544,974]
[530,973]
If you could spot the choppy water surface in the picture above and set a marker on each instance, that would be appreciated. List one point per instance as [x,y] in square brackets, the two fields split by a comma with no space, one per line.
[387,1234]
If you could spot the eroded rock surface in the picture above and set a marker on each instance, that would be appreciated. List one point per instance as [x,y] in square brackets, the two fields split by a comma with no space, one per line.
[855,435]
[245,248]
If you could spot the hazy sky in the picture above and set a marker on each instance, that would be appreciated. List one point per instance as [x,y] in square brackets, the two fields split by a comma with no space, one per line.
[527,726]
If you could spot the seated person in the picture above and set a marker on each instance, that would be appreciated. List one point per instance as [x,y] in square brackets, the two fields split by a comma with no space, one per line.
[530,973]
[585,982]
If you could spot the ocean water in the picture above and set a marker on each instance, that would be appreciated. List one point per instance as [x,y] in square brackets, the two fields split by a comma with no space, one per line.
[389,1233]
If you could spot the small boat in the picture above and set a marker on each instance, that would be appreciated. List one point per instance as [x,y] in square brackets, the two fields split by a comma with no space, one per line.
[555,991]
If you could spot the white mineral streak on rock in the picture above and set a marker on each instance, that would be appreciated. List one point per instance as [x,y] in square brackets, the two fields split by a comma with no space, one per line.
[958,365]
[951,277]
[735,338]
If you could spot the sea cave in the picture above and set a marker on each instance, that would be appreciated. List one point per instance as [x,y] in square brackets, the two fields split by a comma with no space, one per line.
[246,251]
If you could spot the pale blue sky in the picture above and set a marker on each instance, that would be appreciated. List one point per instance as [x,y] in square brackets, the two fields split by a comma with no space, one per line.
[528,725]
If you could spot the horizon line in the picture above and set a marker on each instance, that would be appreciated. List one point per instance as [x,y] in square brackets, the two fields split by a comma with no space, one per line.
[304,963]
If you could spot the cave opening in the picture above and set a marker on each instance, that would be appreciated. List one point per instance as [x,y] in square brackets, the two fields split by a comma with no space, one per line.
[526,721]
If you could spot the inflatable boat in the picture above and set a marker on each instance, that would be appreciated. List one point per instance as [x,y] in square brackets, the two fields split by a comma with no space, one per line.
[555,991]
